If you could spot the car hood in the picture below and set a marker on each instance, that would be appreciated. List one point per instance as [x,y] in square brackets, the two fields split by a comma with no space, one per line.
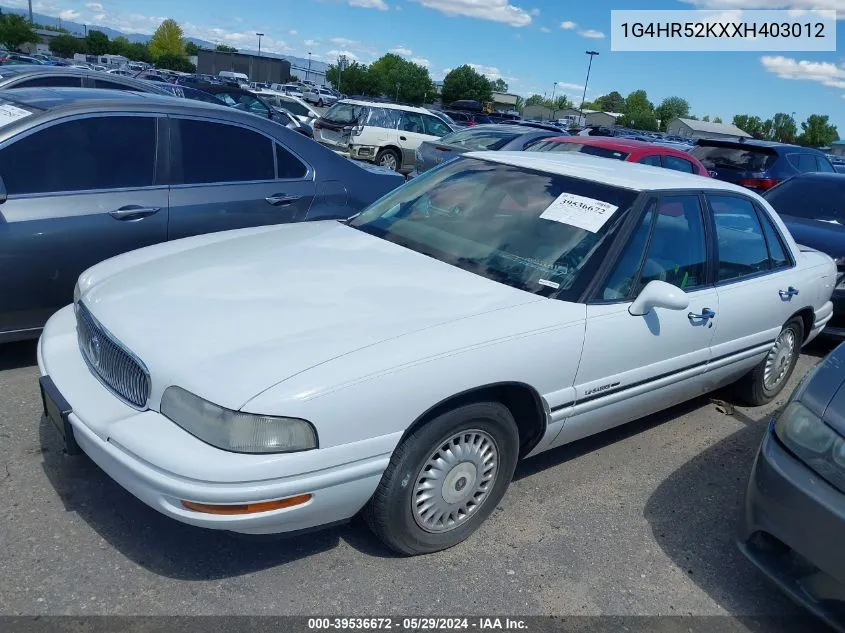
[228,317]
[828,237]
[822,390]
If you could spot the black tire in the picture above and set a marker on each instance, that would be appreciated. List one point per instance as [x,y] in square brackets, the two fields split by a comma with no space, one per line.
[390,513]
[390,152]
[752,388]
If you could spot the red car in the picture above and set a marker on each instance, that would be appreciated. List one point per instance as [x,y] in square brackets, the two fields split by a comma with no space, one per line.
[629,150]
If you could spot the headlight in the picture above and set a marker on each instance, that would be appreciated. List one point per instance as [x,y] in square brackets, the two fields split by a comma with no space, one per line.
[813,442]
[233,430]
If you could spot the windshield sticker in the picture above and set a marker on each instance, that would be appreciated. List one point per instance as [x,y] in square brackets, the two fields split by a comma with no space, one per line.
[583,213]
[9,113]
[549,284]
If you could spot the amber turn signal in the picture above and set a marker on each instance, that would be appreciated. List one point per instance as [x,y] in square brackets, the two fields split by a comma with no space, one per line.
[247,508]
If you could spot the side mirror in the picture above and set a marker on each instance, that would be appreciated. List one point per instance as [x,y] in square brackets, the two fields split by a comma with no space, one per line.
[659,294]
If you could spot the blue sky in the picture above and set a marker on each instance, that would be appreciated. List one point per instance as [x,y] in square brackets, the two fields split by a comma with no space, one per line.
[530,43]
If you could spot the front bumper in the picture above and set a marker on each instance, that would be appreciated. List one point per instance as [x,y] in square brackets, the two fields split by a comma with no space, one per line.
[792,529]
[162,465]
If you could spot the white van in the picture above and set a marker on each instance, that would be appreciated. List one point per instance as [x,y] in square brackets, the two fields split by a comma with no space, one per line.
[230,75]
[383,133]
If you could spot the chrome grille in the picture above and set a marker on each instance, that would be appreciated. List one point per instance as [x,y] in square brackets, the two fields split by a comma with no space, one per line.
[115,366]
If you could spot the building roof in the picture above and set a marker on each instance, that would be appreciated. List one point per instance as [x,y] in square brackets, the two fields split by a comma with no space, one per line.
[632,176]
[709,127]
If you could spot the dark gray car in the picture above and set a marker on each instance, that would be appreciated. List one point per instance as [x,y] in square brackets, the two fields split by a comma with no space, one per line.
[26,76]
[89,174]
[794,515]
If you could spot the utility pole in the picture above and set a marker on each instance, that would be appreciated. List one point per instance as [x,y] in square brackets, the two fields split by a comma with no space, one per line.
[584,98]
[553,108]
[258,71]
[30,12]
[308,72]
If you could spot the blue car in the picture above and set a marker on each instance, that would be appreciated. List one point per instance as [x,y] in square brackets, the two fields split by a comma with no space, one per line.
[758,165]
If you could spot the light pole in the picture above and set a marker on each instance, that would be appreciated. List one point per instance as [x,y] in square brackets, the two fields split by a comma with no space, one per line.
[258,70]
[260,35]
[553,108]
[308,72]
[341,65]
[30,12]
[584,98]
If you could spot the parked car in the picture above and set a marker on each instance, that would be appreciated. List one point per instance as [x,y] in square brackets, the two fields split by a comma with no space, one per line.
[757,165]
[623,149]
[495,137]
[319,96]
[794,510]
[240,99]
[28,76]
[542,125]
[290,121]
[468,119]
[73,194]
[384,133]
[813,208]
[478,318]
[304,112]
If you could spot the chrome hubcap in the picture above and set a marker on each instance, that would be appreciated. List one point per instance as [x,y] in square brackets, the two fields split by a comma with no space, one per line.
[779,360]
[455,481]
[388,160]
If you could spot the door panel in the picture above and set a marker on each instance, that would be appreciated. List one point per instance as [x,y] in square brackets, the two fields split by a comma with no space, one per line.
[76,196]
[411,134]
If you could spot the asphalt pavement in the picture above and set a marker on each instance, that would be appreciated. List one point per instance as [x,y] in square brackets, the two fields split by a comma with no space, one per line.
[640,520]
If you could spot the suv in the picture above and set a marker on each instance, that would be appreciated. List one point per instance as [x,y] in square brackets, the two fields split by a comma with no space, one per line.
[383,133]
[757,165]
[319,96]
[468,119]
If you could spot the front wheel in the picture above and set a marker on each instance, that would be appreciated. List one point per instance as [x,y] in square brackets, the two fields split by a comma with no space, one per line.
[768,379]
[445,479]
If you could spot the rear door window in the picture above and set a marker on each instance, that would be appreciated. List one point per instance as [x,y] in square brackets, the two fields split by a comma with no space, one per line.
[82,155]
[288,166]
[678,164]
[411,122]
[803,162]
[653,160]
[434,126]
[215,152]
[741,245]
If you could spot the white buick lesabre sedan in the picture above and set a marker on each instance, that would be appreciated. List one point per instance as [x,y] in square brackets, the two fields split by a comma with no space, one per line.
[400,363]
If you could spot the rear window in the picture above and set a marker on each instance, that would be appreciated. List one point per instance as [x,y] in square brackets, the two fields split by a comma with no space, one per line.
[735,157]
[479,140]
[592,150]
[343,113]
[811,198]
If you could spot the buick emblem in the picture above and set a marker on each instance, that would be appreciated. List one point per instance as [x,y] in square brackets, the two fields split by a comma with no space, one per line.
[94,351]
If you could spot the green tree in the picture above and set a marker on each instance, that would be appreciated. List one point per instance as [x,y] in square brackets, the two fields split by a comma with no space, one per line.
[191,49]
[15,31]
[499,85]
[706,117]
[613,102]
[718,119]
[817,132]
[172,61]
[752,125]
[535,100]
[465,83]
[120,46]
[97,43]
[168,38]
[66,45]
[398,78]
[222,48]
[639,112]
[671,108]
[592,105]
[354,80]
[139,52]
[560,103]
[520,103]
[783,129]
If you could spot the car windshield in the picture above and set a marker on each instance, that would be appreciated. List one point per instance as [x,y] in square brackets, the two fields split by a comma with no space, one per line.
[343,113]
[581,148]
[811,198]
[534,231]
[479,139]
[734,157]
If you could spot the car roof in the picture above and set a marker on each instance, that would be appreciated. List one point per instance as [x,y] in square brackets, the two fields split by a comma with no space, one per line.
[610,142]
[626,175]
[381,104]
[56,98]
[753,142]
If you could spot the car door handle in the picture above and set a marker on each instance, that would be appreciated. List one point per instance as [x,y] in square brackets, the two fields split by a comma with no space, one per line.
[281,199]
[787,294]
[403,138]
[706,314]
[133,212]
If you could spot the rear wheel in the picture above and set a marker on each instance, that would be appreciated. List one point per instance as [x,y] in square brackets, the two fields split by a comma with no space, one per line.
[388,158]
[768,379]
[445,479]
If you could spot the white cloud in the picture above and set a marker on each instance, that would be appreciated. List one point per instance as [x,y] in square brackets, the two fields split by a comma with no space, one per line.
[310,43]
[491,72]
[381,5]
[95,6]
[535,12]
[545,29]
[825,73]
[837,5]
[342,41]
[562,85]
[333,55]
[402,50]
[591,34]
[69,14]
[293,32]
[494,10]
[568,25]
[421,61]
[238,39]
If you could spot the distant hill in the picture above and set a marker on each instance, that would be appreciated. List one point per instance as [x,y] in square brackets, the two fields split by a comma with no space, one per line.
[77,28]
